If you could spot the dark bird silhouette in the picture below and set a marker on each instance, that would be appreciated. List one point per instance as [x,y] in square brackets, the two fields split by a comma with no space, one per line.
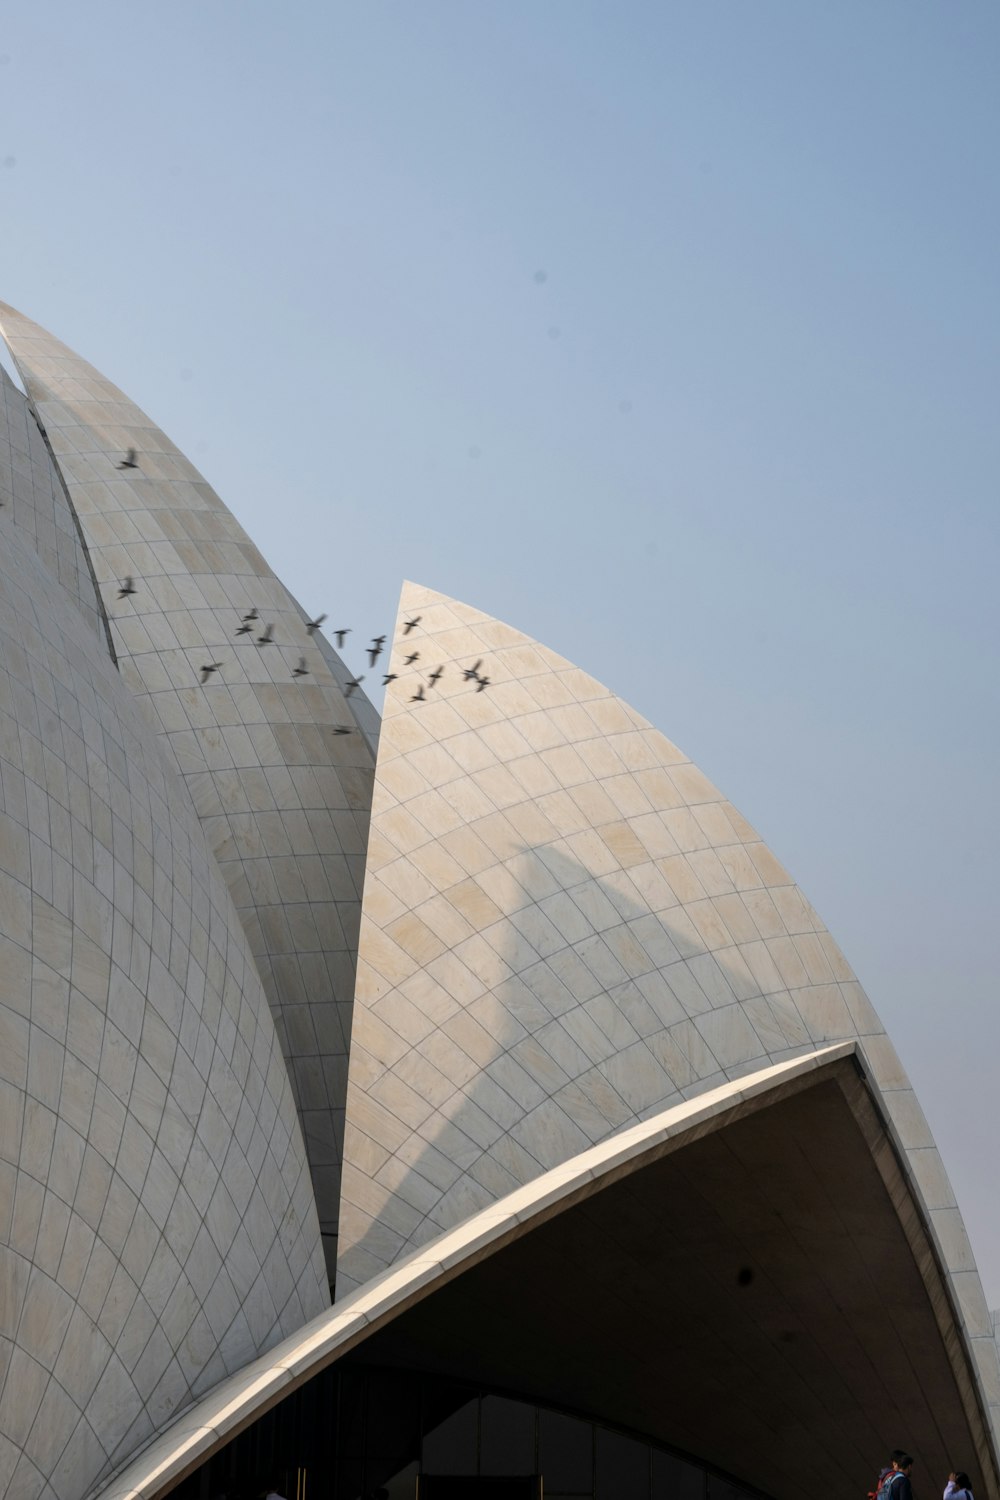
[342,729]
[206,671]
[482,682]
[354,683]
[127,587]
[129,461]
[436,676]
[247,627]
[375,649]
[301,670]
[312,625]
[389,677]
[418,696]
[469,672]
[267,639]
[409,660]
[340,637]
[412,624]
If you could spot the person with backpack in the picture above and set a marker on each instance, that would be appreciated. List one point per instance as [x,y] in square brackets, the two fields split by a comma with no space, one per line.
[896,1457]
[895,1482]
[959,1486]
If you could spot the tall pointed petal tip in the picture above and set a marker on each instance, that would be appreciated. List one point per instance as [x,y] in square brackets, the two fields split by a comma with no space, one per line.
[411,589]
[12,314]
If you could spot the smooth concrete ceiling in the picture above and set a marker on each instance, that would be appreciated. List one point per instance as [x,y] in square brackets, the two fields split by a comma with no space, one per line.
[764,1297]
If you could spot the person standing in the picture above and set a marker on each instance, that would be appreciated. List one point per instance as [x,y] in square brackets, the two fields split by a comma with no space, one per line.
[878,1493]
[959,1486]
[896,1485]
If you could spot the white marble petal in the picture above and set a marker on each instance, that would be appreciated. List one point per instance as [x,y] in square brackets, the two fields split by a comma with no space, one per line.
[566,929]
[140,1070]
[283,799]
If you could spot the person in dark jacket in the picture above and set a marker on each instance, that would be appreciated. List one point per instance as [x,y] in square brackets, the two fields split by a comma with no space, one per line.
[879,1492]
[897,1482]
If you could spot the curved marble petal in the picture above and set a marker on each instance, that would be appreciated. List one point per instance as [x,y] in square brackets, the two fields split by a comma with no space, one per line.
[34,499]
[566,929]
[606,1286]
[157,1222]
[283,799]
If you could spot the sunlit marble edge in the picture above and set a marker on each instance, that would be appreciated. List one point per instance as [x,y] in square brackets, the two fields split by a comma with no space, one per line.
[242,1398]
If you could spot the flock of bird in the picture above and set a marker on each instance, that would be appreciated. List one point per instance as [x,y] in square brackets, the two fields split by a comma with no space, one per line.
[251,622]
[469,674]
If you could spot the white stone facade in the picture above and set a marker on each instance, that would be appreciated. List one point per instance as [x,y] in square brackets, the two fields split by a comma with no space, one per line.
[863,1322]
[283,799]
[157,1223]
[566,929]
[33,497]
[565,932]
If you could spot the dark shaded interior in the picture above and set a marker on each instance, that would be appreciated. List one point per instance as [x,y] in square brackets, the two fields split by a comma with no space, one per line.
[357,1432]
[753,1308]
[752,1298]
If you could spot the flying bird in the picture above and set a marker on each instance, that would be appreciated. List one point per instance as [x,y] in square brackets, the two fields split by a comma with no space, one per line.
[469,672]
[206,671]
[312,625]
[483,682]
[418,696]
[301,670]
[129,461]
[340,637]
[354,683]
[409,660]
[436,676]
[375,649]
[412,624]
[248,623]
[267,639]
[389,677]
[127,587]
[342,729]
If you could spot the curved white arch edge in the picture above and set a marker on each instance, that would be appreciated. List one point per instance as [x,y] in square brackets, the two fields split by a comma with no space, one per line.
[242,1398]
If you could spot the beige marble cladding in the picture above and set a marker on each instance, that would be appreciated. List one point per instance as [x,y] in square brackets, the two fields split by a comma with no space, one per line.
[157,1222]
[566,929]
[283,798]
[32,496]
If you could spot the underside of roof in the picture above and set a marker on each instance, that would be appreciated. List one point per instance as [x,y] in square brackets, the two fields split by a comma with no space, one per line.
[749,1277]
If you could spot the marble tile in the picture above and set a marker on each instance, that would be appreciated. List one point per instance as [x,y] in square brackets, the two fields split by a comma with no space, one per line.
[196,575]
[93,1050]
[655,942]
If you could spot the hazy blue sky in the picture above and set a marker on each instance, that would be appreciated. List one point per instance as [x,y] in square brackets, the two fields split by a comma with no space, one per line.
[666,331]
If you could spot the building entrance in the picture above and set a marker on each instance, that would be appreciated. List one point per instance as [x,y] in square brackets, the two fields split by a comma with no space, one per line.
[365,1433]
[476,1487]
